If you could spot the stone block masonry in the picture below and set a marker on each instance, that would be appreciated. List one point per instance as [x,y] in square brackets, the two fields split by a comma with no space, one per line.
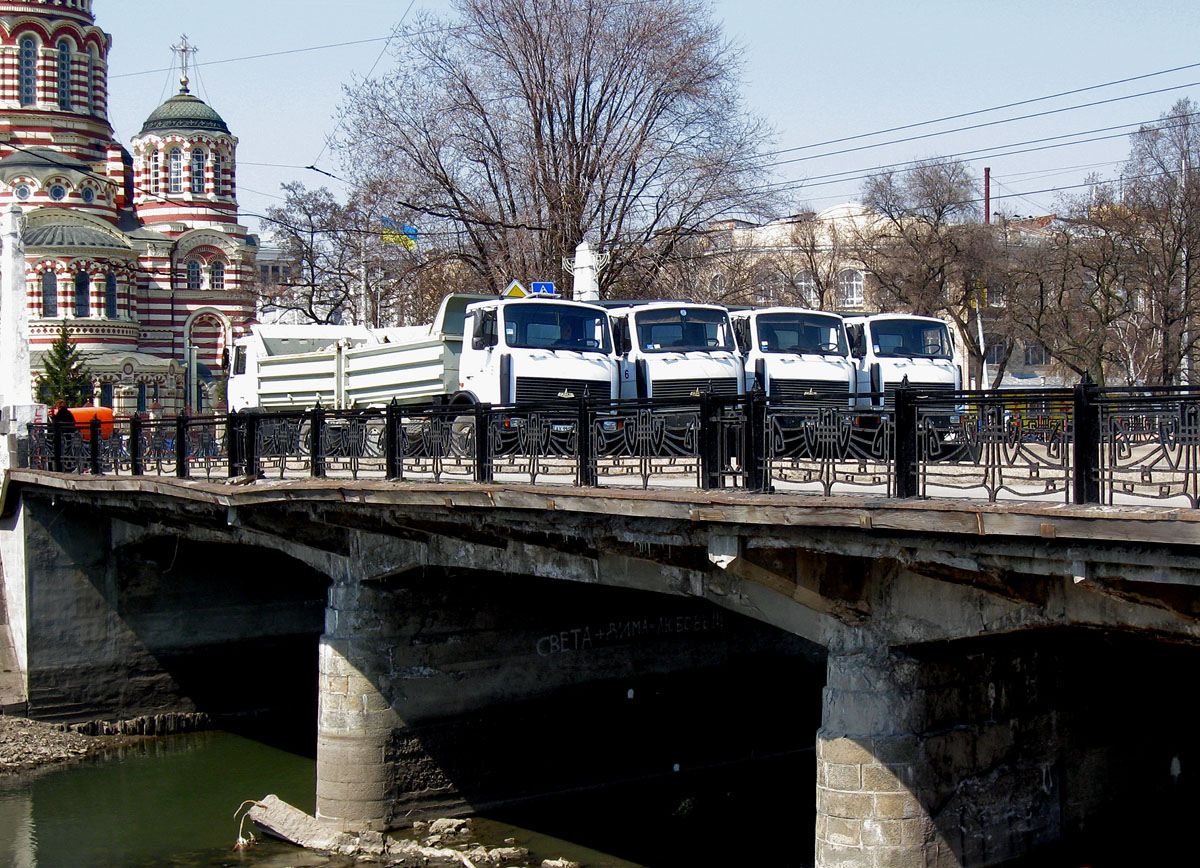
[448,692]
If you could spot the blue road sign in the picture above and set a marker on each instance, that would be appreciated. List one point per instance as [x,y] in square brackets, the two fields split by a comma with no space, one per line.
[541,288]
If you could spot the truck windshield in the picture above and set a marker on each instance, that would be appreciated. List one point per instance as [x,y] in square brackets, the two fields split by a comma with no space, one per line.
[912,338]
[556,327]
[801,333]
[683,329]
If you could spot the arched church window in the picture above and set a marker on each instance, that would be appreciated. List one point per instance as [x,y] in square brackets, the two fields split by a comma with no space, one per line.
[110,295]
[175,171]
[49,294]
[28,70]
[193,274]
[83,288]
[198,170]
[216,275]
[155,169]
[216,170]
[91,82]
[64,75]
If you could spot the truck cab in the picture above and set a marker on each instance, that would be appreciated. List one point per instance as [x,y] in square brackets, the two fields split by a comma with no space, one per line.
[889,347]
[676,349]
[533,350]
[795,354]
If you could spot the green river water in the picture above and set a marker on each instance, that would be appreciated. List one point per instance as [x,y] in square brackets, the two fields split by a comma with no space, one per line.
[169,803]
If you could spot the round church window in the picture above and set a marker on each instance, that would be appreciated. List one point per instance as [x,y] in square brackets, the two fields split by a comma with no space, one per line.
[22,191]
[57,192]
[88,194]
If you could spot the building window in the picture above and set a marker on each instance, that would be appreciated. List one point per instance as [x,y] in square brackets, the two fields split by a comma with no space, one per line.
[850,289]
[175,171]
[193,274]
[22,191]
[141,398]
[1036,354]
[88,195]
[997,348]
[28,71]
[64,75]
[110,295]
[216,275]
[154,173]
[198,171]
[718,286]
[58,192]
[49,294]
[806,287]
[106,394]
[216,170]
[83,287]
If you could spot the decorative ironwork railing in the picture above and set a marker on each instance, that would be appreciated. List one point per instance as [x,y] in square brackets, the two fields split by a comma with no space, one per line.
[1081,445]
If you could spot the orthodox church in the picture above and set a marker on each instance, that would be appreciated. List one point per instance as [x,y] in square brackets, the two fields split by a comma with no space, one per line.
[137,250]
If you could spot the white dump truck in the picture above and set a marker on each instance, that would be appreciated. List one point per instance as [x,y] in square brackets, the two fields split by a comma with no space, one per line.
[477,349]
[676,349]
[794,353]
[890,346]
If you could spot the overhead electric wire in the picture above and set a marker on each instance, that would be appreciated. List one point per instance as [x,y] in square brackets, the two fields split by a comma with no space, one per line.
[984,111]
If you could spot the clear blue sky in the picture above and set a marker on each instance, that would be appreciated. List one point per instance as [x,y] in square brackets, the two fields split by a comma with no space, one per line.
[817,71]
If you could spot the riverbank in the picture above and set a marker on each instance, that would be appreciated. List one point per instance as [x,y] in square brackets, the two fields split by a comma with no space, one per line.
[27,744]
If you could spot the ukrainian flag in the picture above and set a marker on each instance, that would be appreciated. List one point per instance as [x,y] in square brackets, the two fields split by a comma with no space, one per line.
[396,234]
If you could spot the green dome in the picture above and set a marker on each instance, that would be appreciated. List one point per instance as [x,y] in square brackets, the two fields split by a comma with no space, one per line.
[183,112]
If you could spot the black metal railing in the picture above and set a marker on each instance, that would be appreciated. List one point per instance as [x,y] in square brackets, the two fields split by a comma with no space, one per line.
[1080,445]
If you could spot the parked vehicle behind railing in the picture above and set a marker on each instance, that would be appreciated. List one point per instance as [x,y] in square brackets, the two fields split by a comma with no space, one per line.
[676,349]
[793,353]
[477,349]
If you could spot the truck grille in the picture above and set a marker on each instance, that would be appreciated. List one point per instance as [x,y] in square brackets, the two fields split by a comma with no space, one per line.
[889,391]
[686,388]
[538,390]
[808,390]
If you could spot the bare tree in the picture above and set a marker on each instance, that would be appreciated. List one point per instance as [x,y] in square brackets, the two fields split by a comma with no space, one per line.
[926,252]
[1159,209]
[340,267]
[532,125]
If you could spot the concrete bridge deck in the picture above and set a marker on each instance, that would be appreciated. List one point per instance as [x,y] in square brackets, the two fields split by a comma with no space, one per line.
[970,647]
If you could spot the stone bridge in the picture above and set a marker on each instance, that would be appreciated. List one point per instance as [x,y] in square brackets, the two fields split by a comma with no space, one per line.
[996,676]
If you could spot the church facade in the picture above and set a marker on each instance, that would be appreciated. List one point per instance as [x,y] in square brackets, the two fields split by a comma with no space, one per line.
[137,250]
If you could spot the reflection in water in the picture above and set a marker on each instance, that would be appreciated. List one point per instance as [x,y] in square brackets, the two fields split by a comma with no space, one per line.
[166,801]
[169,803]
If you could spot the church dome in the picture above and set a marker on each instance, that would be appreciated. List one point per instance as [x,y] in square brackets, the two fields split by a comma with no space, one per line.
[183,112]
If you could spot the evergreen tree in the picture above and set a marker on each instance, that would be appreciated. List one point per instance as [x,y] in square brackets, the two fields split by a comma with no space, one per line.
[65,377]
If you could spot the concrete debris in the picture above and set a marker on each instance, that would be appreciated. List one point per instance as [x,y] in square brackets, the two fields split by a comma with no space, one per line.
[559,863]
[276,817]
[26,744]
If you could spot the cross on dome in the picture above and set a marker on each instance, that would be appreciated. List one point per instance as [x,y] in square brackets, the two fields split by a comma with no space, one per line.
[183,49]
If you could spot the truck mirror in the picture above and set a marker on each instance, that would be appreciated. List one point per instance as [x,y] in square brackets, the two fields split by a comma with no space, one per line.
[857,348]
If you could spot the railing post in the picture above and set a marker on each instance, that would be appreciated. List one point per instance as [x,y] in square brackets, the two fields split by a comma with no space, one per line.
[753,440]
[392,456]
[94,445]
[905,422]
[233,444]
[316,441]
[1086,442]
[250,453]
[181,450]
[708,445]
[588,474]
[56,444]
[136,463]
[483,454]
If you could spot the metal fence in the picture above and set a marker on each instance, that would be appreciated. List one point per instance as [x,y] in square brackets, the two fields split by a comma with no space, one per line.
[1081,445]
